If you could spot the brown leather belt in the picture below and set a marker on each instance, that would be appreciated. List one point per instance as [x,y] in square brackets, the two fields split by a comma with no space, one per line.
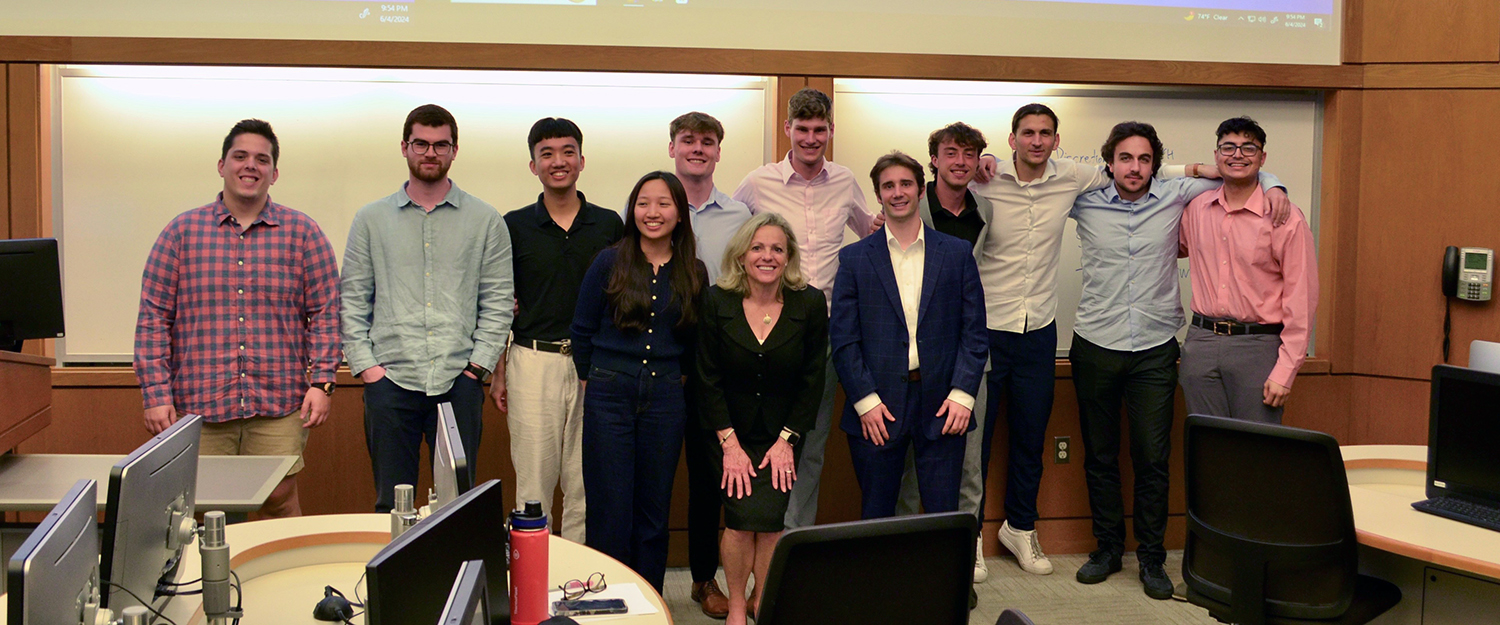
[1230,327]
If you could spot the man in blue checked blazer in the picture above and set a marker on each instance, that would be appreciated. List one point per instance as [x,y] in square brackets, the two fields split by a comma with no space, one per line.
[908,337]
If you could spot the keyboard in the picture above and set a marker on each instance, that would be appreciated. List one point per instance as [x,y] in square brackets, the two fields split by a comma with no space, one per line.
[1482,515]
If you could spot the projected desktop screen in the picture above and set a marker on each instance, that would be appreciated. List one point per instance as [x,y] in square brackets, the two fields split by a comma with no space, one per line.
[1269,31]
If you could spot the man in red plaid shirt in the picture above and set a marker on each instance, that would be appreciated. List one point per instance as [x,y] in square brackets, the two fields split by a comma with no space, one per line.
[239,317]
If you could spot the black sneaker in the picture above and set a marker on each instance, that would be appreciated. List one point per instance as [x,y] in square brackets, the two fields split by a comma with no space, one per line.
[1101,563]
[1155,581]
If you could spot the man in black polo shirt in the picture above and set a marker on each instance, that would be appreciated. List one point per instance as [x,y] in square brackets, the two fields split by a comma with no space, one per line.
[950,208]
[553,242]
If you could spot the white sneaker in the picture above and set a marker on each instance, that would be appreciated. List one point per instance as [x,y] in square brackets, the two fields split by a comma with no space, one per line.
[981,572]
[1026,548]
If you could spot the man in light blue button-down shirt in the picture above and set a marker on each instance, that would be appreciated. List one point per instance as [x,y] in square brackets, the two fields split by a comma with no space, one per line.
[1124,341]
[430,299]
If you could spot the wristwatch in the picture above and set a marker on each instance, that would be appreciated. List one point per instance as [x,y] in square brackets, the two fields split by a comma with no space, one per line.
[326,387]
[478,371]
[790,437]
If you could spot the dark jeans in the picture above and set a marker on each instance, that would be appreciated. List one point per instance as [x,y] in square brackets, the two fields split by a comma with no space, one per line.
[632,433]
[939,464]
[1023,368]
[703,500]
[396,421]
[1146,381]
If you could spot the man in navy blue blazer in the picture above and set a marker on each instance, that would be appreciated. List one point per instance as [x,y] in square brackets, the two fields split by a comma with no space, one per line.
[908,335]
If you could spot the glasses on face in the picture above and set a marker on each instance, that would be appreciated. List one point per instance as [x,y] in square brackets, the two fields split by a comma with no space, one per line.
[441,148]
[576,589]
[1247,149]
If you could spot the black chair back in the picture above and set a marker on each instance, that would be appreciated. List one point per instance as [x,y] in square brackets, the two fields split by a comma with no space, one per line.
[914,569]
[1270,528]
[1012,616]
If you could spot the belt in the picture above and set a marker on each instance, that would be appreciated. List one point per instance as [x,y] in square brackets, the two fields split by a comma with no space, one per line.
[1230,327]
[564,347]
[915,375]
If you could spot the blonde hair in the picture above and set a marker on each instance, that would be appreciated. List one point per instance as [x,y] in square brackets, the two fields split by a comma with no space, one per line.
[732,276]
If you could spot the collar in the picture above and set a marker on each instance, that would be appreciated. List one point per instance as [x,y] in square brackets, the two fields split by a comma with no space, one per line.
[543,217]
[1112,193]
[784,167]
[935,207]
[1256,203]
[450,199]
[715,198]
[1008,168]
[895,246]
[269,215]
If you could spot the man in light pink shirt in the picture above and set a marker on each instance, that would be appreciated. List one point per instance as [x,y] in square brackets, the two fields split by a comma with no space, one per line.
[819,198]
[1255,289]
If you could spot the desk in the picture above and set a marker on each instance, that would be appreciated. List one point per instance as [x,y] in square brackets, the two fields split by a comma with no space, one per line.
[35,482]
[284,564]
[1449,572]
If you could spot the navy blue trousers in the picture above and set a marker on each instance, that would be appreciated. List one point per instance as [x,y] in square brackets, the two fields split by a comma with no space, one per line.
[632,436]
[396,422]
[878,468]
[1023,368]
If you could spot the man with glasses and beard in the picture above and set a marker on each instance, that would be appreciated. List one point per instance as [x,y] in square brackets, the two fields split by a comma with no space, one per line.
[428,302]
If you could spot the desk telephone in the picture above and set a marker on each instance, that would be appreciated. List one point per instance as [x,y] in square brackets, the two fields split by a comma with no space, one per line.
[1468,273]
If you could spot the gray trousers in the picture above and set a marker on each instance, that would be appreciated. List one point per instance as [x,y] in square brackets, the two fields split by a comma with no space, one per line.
[971,484]
[1225,376]
[802,510]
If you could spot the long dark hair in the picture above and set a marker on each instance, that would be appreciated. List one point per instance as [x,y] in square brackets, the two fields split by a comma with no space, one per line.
[629,289]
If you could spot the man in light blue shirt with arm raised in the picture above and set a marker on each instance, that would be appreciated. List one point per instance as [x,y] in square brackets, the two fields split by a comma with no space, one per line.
[1124,341]
[430,298]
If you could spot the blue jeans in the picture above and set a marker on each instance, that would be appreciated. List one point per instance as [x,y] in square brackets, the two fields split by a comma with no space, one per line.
[632,435]
[396,421]
[1023,368]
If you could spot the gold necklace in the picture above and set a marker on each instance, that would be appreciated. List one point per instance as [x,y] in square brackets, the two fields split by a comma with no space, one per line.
[767,319]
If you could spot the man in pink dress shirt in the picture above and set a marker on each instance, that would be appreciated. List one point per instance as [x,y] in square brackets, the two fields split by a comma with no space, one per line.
[1255,289]
[819,198]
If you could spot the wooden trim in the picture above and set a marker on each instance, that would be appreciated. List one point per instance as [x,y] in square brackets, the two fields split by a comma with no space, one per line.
[1385,463]
[310,540]
[24,138]
[1428,554]
[26,359]
[1433,76]
[4,150]
[311,53]
[1353,34]
[1338,229]
[25,428]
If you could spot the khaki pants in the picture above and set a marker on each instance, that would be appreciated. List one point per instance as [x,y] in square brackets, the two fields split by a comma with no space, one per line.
[546,433]
[257,436]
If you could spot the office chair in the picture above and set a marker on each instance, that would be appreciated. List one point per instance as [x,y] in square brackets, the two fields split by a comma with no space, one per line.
[1012,616]
[914,569]
[1270,528]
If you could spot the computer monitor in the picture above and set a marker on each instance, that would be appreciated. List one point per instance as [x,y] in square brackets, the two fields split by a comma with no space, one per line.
[869,571]
[410,579]
[30,291]
[468,602]
[450,466]
[1462,430]
[55,572]
[148,518]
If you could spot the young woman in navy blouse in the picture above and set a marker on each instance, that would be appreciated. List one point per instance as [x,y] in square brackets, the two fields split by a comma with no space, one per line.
[632,344]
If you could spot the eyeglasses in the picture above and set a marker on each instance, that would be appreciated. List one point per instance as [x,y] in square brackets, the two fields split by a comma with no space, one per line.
[576,589]
[1248,149]
[441,148]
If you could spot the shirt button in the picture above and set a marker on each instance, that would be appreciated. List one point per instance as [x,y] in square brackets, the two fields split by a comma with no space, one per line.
[241,263]
[644,362]
[240,291]
[426,245]
[242,374]
[649,330]
[653,298]
[242,319]
[242,348]
[429,304]
[648,348]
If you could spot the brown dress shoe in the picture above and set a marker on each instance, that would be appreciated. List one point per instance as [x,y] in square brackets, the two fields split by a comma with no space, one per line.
[713,601]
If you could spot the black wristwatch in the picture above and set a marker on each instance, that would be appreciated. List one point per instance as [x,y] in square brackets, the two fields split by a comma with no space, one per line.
[478,371]
[790,437]
[326,387]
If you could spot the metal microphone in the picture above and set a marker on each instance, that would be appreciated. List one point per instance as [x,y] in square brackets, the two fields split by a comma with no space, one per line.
[134,615]
[404,515]
[214,553]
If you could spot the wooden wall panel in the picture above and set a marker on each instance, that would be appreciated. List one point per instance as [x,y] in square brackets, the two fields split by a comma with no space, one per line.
[1423,31]
[1426,181]
[1338,229]
[1386,411]
[24,130]
[4,150]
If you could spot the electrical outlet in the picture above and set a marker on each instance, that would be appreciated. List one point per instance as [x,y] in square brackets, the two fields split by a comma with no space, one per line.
[1062,449]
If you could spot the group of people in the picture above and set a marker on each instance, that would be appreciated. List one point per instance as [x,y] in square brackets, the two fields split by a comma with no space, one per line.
[612,344]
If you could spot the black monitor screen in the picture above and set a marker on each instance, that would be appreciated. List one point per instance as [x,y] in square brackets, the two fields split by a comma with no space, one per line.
[30,291]
[1466,431]
[410,579]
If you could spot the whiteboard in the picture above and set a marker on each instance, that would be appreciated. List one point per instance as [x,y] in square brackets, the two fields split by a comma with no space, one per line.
[873,117]
[138,145]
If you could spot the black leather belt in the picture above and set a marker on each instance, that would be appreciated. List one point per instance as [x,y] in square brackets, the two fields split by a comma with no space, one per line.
[915,375]
[564,347]
[1230,327]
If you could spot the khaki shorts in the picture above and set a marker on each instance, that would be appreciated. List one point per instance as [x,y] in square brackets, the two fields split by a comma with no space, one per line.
[256,436]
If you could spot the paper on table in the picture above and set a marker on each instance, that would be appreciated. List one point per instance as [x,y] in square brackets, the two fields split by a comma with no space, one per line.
[635,602]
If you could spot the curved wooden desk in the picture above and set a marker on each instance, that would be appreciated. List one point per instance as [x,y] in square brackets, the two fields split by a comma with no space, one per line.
[285,563]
